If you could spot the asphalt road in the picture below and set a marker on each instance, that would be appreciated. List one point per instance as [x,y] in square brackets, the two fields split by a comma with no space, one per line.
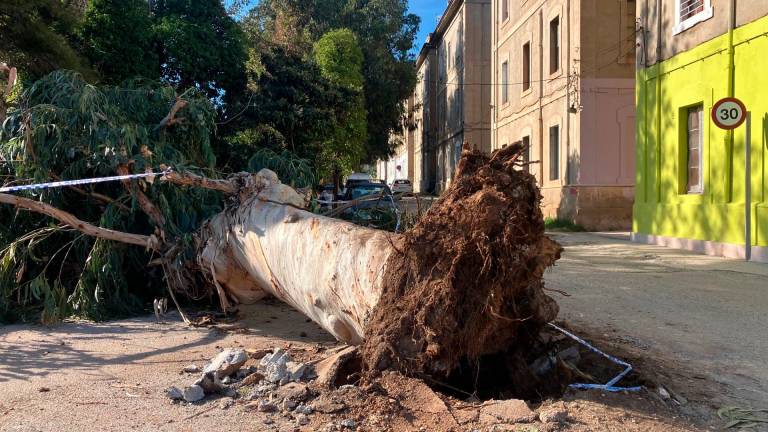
[705,317]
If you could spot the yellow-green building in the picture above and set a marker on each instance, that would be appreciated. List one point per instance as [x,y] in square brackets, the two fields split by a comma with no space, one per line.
[690,186]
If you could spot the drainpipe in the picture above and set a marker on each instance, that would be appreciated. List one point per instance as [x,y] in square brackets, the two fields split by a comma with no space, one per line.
[541,94]
[567,70]
[659,39]
[730,135]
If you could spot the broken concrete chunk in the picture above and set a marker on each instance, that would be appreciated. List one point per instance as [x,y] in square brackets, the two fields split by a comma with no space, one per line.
[304,409]
[278,368]
[266,406]
[191,369]
[227,362]
[193,393]
[174,393]
[210,383]
[508,411]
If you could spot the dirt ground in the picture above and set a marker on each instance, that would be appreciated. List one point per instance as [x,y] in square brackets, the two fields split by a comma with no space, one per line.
[113,376]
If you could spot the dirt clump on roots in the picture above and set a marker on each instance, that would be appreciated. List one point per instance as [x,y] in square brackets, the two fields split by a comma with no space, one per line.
[466,281]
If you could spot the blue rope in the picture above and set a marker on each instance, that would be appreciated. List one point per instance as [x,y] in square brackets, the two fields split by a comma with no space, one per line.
[66,183]
[610,386]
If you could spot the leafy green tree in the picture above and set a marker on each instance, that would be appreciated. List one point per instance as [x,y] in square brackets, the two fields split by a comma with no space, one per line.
[201,46]
[36,36]
[119,39]
[290,98]
[64,128]
[340,59]
[385,32]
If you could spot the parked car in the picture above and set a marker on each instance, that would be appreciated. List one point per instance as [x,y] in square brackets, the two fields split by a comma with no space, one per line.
[356,178]
[361,189]
[381,212]
[402,186]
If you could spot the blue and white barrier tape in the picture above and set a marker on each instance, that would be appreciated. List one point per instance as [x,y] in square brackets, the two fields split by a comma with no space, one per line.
[610,386]
[66,183]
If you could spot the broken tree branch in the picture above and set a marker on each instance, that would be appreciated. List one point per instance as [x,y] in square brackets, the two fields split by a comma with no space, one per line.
[74,222]
[149,208]
[194,180]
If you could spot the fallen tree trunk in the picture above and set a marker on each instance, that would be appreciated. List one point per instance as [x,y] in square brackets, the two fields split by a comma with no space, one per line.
[465,282]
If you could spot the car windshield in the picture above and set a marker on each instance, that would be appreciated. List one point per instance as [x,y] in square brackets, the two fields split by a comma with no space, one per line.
[360,191]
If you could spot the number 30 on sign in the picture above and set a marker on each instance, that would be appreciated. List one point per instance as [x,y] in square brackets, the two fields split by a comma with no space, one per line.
[729,113]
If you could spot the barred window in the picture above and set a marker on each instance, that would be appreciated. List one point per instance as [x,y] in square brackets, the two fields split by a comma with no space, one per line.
[690,8]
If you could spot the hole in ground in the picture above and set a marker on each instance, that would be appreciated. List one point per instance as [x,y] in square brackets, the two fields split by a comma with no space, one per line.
[545,371]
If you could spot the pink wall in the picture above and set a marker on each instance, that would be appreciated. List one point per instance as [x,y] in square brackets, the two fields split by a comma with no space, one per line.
[607,148]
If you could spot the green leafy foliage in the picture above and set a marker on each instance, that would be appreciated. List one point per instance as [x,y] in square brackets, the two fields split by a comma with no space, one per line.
[202,46]
[340,59]
[37,37]
[66,128]
[298,172]
[385,33]
[119,39]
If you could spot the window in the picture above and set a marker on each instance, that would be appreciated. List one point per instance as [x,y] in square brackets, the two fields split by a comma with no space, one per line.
[554,153]
[504,10]
[554,45]
[694,138]
[690,8]
[448,55]
[526,66]
[688,13]
[505,82]
[527,153]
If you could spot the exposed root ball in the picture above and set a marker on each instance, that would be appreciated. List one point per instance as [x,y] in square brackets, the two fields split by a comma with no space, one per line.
[467,280]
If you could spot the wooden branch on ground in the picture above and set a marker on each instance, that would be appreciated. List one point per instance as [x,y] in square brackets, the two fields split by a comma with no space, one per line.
[74,222]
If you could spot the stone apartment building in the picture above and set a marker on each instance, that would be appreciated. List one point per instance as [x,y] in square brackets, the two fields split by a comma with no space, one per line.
[452,100]
[563,75]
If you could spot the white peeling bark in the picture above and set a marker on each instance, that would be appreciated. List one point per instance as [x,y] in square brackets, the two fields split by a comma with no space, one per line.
[330,270]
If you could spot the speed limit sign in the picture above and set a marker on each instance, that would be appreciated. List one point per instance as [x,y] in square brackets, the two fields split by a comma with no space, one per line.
[729,113]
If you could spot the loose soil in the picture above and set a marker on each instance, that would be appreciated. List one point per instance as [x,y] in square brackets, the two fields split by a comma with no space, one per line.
[467,279]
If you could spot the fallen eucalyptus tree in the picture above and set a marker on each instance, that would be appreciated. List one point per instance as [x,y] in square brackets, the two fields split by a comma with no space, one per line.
[465,282]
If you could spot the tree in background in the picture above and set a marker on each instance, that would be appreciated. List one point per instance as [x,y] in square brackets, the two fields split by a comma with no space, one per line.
[201,46]
[385,32]
[340,59]
[119,39]
[37,37]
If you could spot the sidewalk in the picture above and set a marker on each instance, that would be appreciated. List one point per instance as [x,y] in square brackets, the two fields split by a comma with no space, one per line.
[707,317]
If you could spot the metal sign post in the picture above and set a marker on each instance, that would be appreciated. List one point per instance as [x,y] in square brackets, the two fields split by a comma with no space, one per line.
[748,189]
[728,114]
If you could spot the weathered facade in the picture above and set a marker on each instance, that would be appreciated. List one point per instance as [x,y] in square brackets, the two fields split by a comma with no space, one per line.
[563,81]
[691,175]
[452,100]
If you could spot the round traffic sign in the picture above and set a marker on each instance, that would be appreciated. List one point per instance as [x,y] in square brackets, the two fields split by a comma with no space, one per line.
[729,113]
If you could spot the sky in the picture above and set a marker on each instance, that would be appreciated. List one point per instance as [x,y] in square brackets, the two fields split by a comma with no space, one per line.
[428,10]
